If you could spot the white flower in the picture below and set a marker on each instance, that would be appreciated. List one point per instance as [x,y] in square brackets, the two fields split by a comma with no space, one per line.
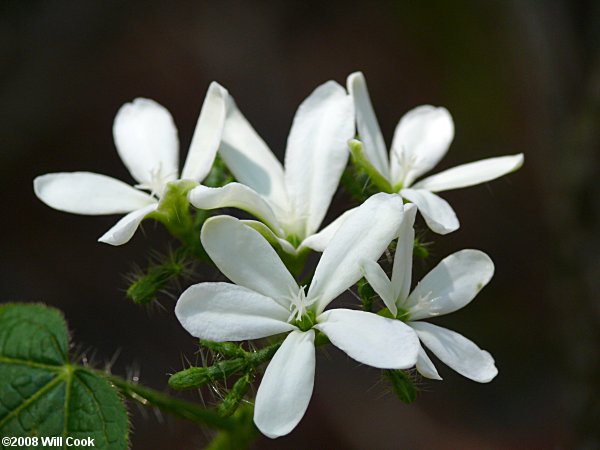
[450,286]
[290,203]
[147,142]
[266,300]
[421,140]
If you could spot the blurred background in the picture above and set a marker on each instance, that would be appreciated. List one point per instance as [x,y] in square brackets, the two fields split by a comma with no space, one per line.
[518,76]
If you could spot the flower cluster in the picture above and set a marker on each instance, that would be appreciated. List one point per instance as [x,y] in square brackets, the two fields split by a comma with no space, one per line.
[265,257]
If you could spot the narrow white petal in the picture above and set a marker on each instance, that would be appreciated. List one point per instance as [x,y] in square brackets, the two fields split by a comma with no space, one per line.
[207,136]
[317,152]
[235,195]
[366,122]
[146,139]
[88,193]
[247,259]
[438,214]
[402,268]
[320,240]
[285,390]
[451,285]
[364,235]
[226,312]
[271,237]
[249,159]
[457,352]
[124,229]
[371,339]
[426,367]
[379,281]
[421,140]
[470,174]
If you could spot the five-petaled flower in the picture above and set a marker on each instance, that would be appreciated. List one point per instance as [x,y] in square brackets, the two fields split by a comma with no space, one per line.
[147,142]
[421,140]
[290,203]
[266,301]
[450,286]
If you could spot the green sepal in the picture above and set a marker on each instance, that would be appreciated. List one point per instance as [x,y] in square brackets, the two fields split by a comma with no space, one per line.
[421,249]
[219,175]
[384,312]
[360,160]
[174,213]
[242,435]
[145,287]
[402,385]
[235,396]
[307,321]
[367,294]
[42,393]
[227,349]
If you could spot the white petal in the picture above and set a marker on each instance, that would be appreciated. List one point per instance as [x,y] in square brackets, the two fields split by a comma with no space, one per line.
[457,352]
[366,122]
[317,153]
[146,139]
[320,240]
[207,135]
[436,211]
[471,174]
[364,235]
[421,140]
[285,390]
[379,281]
[426,367]
[371,339]
[235,195]
[226,312]
[249,159]
[402,268]
[451,285]
[124,229]
[88,193]
[247,259]
[271,237]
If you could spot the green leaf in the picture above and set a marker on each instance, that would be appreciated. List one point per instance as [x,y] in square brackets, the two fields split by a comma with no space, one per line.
[42,394]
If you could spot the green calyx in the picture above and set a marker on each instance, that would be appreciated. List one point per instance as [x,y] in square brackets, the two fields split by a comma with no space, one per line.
[174,213]
[402,385]
[307,321]
[403,314]
[360,160]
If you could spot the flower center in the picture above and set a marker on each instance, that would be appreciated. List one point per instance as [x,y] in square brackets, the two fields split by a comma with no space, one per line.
[300,315]
[406,162]
[427,303]
[156,182]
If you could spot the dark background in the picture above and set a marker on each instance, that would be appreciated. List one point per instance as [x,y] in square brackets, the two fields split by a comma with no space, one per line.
[518,76]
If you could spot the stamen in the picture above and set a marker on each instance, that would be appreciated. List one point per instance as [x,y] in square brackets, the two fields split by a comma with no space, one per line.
[406,163]
[429,304]
[299,305]
[156,182]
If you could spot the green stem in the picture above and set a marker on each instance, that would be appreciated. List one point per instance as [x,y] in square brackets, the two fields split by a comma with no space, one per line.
[242,437]
[177,407]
